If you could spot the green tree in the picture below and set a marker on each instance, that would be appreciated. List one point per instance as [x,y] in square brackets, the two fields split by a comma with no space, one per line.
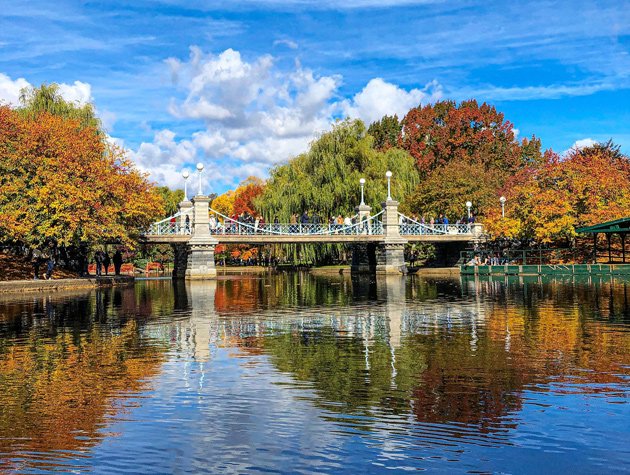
[325,179]
[47,98]
[171,199]
[385,132]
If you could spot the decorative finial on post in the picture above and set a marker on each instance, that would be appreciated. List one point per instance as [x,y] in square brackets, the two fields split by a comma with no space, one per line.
[200,170]
[502,200]
[388,174]
[468,205]
[362,182]
[185,175]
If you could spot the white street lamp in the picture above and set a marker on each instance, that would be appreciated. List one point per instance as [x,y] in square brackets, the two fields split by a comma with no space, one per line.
[502,200]
[388,174]
[185,175]
[362,182]
[468,205]
[199,171]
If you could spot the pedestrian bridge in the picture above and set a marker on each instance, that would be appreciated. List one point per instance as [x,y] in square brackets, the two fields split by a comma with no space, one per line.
[377,241]
[369,229]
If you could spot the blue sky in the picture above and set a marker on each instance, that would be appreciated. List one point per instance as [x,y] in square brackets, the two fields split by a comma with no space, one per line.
[246,84]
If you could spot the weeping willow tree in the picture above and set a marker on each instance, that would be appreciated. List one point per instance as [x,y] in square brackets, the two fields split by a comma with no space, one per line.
[325,180]
[47,98]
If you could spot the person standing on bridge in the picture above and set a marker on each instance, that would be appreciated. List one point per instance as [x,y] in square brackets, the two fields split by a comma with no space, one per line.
[347,223]
[304,219]
[187,225]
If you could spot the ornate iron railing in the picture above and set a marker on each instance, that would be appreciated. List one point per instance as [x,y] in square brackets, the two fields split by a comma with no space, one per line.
[410,227]
[224,225]
[168,227]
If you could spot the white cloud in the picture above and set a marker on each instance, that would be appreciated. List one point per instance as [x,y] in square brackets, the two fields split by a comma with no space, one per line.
[164,158]
[79,92]
[288,43]
[379,98]
[256,115]
[10,89]
[583,143]
[579,145]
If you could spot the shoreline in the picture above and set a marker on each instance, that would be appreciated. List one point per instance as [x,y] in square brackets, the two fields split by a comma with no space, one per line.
[21,286]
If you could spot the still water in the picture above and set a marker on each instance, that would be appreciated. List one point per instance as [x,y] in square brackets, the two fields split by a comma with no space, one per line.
[312,374]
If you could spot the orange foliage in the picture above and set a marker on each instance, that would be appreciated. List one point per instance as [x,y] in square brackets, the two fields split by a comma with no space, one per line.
[547,202]
[245,194]
[62,180]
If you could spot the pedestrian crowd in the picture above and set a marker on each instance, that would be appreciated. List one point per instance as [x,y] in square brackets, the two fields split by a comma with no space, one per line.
[442,219]
[304,222]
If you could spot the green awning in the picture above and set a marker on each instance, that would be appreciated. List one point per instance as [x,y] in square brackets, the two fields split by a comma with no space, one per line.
[616,226]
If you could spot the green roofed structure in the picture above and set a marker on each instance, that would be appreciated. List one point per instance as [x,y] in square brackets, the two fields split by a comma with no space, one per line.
[618,226]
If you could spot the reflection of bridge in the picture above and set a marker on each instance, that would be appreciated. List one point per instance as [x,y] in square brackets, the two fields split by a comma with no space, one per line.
[377,240]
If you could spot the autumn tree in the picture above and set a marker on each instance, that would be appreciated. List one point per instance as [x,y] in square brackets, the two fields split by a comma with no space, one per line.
[171,199]
[449,187]
[60,180]
[245,195]
[463,152]
[548,201]
[224,203]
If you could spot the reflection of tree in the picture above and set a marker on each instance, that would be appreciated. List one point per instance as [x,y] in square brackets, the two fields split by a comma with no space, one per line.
[61,374]
[473,373]
[53,390]
[463,384]
[250,293]
[337,367]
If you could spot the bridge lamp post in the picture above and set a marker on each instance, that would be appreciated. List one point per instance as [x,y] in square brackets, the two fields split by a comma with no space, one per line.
[185,175]
[199,171]
[362,183]
[502,200]
[388,174]
[468,205]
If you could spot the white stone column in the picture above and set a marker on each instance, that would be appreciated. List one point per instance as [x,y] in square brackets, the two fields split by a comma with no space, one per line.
[202,243]
[185,209]
[390,254]
[364,213]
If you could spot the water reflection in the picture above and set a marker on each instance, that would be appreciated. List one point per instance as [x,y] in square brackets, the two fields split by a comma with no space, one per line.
[359,373]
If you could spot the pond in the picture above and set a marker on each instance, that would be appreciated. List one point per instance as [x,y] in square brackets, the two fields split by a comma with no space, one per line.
[300,373]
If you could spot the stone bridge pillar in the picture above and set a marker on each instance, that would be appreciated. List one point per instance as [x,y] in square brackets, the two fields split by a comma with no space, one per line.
[200,262]
[390,253]
[185,209]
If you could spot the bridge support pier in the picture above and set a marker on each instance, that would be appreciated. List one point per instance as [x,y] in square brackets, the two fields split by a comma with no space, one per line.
[390,257]
[200,249]
[390,254]
[200,264]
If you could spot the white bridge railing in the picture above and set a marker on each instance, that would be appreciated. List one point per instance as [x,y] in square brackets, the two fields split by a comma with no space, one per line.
[411,227]
[226,226]
[168,226]
[222,225]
